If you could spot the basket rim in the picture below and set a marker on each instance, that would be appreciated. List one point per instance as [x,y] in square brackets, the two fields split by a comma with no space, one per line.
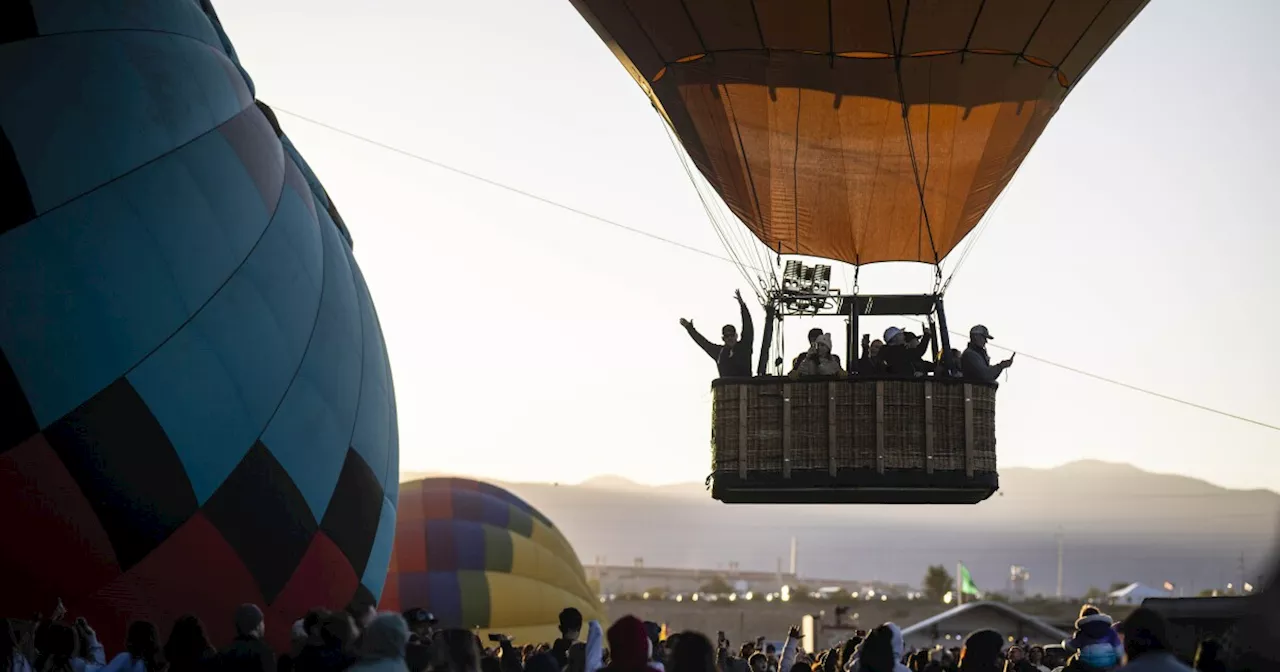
[852,380]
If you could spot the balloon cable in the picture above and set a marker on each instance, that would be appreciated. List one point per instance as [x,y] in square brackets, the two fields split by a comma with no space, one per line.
[713,255]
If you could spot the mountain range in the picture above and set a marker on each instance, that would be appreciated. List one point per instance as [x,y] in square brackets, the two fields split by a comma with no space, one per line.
[1117,524]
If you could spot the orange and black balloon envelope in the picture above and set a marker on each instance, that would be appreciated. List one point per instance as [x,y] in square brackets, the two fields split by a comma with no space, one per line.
[476,556]
[824,124]
[196,405]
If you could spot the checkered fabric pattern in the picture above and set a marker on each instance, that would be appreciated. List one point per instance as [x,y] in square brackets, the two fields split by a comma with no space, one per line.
[477,556]
[196,405]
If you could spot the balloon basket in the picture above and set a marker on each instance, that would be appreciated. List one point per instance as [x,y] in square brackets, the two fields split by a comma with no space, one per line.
[853,440]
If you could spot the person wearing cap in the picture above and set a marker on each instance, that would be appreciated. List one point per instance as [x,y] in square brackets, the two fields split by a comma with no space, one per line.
[733,358]
[1146,643]
[417,654]
[899,357]
[248,653]
[976,363]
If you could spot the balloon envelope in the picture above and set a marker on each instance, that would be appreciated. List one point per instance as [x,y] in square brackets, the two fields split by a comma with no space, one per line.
[479,557]
[196,406]
[794,109]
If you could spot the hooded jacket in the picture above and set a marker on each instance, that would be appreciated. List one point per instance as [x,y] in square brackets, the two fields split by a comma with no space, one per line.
[383,644]
[899,647]
[629,646]
[595,647]
[1096,644]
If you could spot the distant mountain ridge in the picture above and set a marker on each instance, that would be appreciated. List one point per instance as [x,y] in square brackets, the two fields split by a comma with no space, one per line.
[1119,524]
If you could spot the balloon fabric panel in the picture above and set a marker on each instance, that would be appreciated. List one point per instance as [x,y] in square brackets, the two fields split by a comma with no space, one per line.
[479,557]
[196,405]
[861,131]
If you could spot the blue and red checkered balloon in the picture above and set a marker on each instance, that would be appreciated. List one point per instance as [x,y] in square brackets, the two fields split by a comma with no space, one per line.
[196,405]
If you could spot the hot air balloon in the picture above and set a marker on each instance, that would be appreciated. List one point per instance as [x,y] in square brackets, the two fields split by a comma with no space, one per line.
[196,405]
[478,557]
[857,131]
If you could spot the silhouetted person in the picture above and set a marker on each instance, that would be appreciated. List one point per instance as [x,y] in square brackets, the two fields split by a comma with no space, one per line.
[141,651]
[982,652]
[570,630]
[1146,643]
[248,653]
[733,357]
[975,361]
[692,653]
[899,357]
[417,653]
[382,646]
[188,648]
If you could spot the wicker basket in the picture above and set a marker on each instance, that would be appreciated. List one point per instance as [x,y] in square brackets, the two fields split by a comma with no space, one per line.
[922,440]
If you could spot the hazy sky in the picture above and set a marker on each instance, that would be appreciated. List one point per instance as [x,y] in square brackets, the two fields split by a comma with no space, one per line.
[528,343]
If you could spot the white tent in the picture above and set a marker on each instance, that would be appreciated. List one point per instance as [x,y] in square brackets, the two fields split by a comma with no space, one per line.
[1135,593]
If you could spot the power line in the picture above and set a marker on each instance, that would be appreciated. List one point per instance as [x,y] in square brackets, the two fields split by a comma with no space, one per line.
[705,253]
[1135,388]
[504,187]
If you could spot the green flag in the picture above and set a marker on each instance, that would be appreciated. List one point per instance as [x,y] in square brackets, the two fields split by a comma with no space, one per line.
[967,586]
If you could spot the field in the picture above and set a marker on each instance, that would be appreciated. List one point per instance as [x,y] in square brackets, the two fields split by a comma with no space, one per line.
[747,620]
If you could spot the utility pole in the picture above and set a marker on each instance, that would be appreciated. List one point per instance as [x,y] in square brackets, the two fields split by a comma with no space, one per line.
[959,584]
[1059,563]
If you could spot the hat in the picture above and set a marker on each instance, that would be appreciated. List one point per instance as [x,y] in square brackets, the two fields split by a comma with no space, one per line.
[420,615]
[891,333]
[248,618]
[629,642]
[980,330]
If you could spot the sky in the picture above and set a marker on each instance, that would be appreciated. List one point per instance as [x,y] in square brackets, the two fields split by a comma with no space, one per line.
[529,343]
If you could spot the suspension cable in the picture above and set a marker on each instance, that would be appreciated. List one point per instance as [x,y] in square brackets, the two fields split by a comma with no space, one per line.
[684,246]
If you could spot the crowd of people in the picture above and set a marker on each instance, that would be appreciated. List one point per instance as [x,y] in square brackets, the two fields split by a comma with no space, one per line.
[358,639]
[900,354]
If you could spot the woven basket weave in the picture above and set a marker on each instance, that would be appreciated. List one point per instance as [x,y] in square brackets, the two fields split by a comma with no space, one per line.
[927,429]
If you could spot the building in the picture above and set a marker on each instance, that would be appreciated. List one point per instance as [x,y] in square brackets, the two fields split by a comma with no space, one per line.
[637,579]
[950,627]
[1135,593]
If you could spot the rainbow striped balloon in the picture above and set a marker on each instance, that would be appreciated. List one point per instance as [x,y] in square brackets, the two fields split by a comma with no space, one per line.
[478,557]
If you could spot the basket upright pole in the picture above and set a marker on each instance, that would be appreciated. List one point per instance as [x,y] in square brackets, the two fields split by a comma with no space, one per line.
[770,314]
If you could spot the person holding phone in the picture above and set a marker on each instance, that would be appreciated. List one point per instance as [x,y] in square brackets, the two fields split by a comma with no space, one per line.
[976,363]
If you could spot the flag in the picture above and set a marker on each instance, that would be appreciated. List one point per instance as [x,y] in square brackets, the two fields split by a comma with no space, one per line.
[967,586]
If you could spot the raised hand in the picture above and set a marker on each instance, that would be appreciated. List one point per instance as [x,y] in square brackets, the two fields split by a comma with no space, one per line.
[686,323]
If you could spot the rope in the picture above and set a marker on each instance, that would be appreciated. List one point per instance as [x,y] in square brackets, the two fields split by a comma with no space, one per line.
[898,41]
[690,248]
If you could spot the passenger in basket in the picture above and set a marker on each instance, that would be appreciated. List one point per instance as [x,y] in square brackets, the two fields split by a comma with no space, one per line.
[819,361]
[914,342]
[976,363]
[870,364]
[898,358]
[734,357]
[813,337]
